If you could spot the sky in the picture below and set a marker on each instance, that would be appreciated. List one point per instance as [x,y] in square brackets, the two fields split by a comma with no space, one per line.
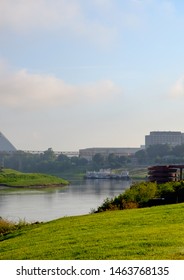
[77,74]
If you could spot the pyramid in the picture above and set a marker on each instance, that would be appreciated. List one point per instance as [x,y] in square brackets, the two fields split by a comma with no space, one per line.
[5,145]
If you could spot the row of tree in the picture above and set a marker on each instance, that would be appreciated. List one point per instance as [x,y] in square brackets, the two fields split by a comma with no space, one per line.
[161,154]
[46,162]
[49,162]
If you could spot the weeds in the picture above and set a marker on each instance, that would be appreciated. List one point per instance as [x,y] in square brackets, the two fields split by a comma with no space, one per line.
[7,226]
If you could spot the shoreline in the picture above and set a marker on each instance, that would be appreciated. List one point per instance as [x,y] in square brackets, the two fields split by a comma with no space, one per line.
[34,186]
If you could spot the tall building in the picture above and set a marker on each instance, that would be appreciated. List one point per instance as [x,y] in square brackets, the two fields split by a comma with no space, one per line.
[172,138]
[5,145]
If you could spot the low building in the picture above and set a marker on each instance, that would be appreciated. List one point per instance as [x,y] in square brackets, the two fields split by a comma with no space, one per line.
[89,153]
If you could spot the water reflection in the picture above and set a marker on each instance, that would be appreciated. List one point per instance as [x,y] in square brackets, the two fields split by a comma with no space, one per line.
[48,204]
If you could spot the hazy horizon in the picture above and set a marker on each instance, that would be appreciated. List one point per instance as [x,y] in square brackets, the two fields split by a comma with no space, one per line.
[81,74]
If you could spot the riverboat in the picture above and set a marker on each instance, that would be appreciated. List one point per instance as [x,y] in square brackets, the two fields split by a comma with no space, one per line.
[107,174]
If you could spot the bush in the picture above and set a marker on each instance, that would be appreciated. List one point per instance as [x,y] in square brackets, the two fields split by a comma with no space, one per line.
[130,204]
[108,204]
[137,196]
[9,226]
[6,226]
[140,193]
[145,194]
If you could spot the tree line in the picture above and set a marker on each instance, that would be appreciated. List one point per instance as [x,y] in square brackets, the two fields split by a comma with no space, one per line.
[49,162]
[161,154]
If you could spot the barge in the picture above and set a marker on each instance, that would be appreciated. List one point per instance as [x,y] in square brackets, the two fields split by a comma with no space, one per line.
[107,174]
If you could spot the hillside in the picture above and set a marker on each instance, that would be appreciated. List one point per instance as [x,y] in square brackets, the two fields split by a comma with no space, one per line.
[13,178]
[146,233]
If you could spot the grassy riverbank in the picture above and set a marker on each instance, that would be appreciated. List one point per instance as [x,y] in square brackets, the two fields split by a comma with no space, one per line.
[146,233]
[138,173]
[13,178]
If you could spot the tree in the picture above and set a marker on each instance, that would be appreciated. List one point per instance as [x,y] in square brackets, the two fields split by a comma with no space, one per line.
[178,150]
[113,161]
[49,155]
[141,156]
[159,150]
[98,161]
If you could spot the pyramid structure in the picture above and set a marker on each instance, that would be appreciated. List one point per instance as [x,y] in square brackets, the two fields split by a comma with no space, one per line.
[5,144]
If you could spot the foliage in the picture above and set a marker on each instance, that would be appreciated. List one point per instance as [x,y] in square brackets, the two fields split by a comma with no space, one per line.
[171,192]
[154,233]
[46,162]
[49,162]
[161,153]
[145,194]
[7,227]
[140,192]
[138,195]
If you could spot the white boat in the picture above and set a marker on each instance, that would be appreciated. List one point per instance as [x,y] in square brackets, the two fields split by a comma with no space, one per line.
[107,174]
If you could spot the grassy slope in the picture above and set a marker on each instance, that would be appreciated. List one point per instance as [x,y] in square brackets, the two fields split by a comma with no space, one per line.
[14,178]
[150,233]
[138,173]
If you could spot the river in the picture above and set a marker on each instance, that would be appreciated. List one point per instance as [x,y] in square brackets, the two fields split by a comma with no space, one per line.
[48,204]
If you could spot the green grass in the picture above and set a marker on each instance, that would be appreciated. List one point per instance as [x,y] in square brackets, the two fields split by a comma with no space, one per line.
[146,233]
[138,173]
[13,178]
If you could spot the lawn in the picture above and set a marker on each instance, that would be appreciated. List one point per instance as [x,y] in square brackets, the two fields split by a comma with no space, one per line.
[13,178]
[146,233]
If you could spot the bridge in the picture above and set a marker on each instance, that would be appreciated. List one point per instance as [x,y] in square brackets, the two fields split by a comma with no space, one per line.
[57,153]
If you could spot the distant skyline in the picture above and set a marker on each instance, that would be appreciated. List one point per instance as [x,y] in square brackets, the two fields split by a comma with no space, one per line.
[79,73]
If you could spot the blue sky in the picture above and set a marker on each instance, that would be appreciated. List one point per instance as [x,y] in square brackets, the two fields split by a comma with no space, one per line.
[79,73]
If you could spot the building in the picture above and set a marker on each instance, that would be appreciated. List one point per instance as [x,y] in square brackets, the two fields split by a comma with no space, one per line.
[172,138]
[165,173]
[5,145]
[90,152]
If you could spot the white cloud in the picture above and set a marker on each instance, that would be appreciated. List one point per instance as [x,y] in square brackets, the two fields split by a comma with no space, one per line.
[22,89]
[65,17]
[104,5]
[177,89]
[23,15]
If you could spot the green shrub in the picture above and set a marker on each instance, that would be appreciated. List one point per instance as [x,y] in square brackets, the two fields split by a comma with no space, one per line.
[145,194]
[172,192]
[165,189]
[137,196]
[140,193]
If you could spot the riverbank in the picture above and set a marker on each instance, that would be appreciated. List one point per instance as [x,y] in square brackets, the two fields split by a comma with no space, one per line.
[154,233]
[13,178]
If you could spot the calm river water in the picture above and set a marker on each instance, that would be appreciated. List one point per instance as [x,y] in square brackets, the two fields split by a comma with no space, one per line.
[48,204]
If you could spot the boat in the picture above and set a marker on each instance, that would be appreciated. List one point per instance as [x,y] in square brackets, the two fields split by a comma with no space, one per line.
[107,174]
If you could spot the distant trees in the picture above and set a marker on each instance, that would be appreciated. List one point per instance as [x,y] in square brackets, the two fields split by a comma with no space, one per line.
[49,162]
[161,153]
[46,162]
